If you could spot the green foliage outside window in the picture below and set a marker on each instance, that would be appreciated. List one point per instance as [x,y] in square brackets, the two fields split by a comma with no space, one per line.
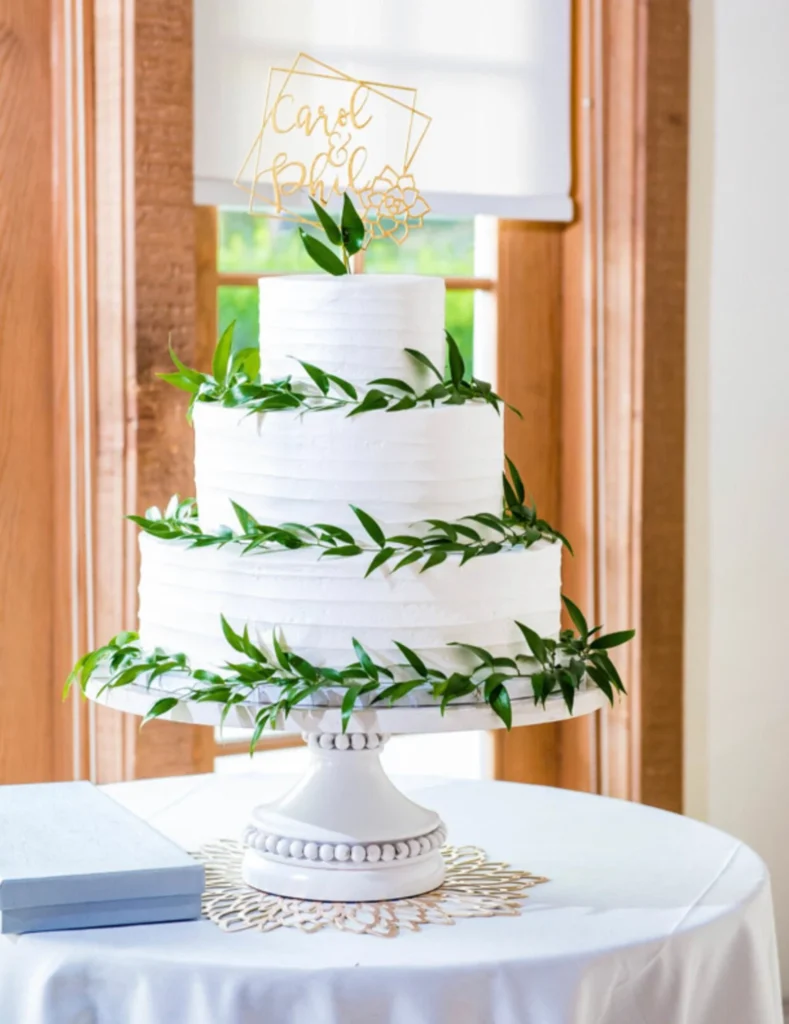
[262,245]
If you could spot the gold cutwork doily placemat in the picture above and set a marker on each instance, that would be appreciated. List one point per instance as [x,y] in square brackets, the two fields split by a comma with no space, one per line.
[474,887]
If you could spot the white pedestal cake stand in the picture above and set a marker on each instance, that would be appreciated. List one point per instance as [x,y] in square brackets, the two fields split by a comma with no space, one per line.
[345,832]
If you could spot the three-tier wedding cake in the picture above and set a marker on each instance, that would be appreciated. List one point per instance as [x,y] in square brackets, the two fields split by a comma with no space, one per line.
[354,555]
[433,461]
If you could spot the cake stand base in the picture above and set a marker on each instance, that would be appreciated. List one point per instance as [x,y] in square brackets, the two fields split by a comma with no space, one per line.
[344,832]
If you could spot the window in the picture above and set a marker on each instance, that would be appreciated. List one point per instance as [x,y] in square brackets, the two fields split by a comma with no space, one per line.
[247,247]
[237,249]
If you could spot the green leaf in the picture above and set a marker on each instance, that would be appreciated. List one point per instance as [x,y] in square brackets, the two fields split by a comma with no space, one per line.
[261,721]
[577,616]
[246,520]
[423,359]
[413,659]
[324,257]
[510,497]
[365,660]
[567,686]
[343,551]
[374,399]
[561,537]
[222,353]
[161,707]
[435,558]
[391,382]
[185,371]
[457,367]
[406,402]
[601,680]
[348,703]
[412,556]
[301,665]
[379,559]
[535,642]
[327,223]
[204,676]
[435,393]
[370,525]
[343,385]
[397,691]
[604,643]
[499,700]
[520,490]
[466,531]
[604,663]
[484,656]
[279,653]
[335,531]
[233,638]
[489,520]
[352,227]
[318,377]
[179,381]
[247,361]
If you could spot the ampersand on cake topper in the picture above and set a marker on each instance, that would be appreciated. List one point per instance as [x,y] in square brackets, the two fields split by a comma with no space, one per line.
[326,133]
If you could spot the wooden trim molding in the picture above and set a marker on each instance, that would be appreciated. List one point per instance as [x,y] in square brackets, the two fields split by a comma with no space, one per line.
[617,284]
[529,312]
[206,312]
[27,511]
[238,280]
[145,292]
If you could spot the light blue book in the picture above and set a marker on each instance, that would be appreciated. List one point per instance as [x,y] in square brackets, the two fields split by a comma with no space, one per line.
[72,857]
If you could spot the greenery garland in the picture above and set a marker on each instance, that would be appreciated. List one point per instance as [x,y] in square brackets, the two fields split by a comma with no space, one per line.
[518,526]
[235,383]
[561,667]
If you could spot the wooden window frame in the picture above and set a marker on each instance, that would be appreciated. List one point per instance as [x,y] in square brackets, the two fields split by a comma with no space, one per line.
[591,347]
[598,365]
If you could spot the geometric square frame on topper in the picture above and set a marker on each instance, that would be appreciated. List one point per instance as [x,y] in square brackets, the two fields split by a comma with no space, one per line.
[324,133]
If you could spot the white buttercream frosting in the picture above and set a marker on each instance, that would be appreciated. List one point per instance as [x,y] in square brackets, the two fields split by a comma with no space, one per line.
[442,462]
[356,326]
[321,604]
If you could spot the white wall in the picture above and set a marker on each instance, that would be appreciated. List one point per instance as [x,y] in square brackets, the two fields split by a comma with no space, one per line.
[737,629]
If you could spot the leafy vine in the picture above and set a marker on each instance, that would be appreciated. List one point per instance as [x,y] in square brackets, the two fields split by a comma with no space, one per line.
[553,666]
[476,535]
[235,383]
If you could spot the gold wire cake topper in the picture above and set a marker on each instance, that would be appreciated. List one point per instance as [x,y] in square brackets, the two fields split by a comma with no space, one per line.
[325,133]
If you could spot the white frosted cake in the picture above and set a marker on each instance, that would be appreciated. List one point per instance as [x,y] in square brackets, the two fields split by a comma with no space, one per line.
[440,461]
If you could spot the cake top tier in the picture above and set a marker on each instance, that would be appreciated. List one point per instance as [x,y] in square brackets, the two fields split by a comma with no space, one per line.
[356,327]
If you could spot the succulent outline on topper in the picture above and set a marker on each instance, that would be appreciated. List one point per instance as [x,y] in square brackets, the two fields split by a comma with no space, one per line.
[325,133]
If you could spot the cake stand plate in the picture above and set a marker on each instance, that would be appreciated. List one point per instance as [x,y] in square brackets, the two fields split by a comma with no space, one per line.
[345,832]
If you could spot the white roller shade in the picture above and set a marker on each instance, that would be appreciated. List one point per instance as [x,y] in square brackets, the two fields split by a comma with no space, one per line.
[494,75]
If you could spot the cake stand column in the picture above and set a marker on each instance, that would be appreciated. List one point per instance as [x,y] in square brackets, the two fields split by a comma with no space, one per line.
[344,832]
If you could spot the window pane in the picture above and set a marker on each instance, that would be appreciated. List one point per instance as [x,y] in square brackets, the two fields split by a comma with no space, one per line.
[249,245]
[441,247]
[460,322]
[239,304]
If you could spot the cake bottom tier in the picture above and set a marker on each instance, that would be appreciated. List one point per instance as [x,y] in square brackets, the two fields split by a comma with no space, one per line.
[318,606]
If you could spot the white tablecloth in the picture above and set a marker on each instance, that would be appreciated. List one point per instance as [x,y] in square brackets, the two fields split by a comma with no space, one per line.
[648,919]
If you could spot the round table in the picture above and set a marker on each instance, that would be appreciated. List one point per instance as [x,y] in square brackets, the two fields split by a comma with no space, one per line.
[648,918]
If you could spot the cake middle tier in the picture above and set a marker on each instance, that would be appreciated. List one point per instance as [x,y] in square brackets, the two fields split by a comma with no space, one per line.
[443,462]
[319,605]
